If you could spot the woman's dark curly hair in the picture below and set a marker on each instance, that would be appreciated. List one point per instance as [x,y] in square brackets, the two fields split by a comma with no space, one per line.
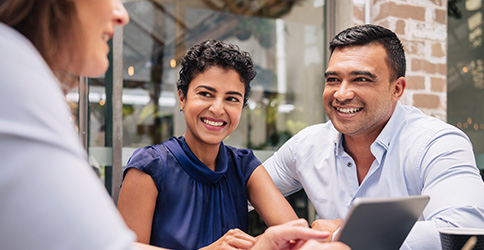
[211,53]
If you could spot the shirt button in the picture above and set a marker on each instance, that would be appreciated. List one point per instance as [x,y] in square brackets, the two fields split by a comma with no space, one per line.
[349,164]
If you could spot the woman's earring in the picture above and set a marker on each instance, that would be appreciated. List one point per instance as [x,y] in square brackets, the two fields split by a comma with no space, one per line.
[181,109]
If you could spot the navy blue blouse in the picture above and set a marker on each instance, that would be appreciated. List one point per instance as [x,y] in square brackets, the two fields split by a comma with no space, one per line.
[195,205]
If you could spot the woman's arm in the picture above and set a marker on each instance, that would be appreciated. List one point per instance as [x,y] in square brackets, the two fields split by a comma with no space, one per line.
[267,200]
[136,203]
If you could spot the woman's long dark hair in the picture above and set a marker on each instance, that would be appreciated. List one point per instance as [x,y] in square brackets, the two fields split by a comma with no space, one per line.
[46,23]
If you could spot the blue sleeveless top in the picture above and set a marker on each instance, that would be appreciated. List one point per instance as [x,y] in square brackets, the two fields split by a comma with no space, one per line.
[195,206]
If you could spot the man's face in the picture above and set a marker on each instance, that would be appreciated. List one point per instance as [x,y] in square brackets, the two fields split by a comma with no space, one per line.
[359,97]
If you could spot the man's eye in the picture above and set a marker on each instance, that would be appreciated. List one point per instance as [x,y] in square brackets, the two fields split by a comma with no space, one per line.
[332,79]
[362,79]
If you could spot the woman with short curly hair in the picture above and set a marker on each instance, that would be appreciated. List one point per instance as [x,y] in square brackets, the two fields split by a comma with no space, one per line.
[192,191]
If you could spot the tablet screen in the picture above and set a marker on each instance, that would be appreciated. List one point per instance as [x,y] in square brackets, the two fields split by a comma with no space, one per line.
[381,223]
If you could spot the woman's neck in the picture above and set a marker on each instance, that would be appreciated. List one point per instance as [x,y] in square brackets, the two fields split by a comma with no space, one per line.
[206,153]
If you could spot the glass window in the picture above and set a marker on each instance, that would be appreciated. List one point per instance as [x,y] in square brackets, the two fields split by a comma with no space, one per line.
[286,45]
[465,71]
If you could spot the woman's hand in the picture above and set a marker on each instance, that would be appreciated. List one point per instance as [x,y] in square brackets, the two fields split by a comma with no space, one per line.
[316,245]
[233,239]
[292,235]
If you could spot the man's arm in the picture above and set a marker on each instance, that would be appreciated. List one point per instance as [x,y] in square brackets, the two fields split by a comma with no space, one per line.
[450,177]
[281,167]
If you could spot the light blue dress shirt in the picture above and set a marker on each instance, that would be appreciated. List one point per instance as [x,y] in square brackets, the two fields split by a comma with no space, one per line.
[414,154]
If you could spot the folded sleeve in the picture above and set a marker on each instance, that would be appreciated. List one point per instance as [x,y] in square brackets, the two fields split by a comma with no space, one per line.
[149,160]
[281,167]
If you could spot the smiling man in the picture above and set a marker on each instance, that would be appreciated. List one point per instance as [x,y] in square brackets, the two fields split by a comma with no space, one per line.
[374,146]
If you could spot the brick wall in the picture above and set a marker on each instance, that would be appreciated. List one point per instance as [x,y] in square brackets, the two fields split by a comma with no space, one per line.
[422,27]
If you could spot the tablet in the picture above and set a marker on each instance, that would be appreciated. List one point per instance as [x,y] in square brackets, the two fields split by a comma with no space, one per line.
[381,223]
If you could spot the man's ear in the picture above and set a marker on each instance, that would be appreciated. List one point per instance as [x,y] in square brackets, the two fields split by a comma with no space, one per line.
[399,88]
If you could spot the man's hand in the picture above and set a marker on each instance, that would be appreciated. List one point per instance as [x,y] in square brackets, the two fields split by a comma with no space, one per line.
[327,225]
[233,239]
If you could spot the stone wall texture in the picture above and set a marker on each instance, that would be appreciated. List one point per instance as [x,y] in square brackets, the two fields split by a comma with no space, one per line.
[422,28]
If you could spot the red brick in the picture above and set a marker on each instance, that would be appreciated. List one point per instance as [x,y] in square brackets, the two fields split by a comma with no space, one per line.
[401,10]
[438,85]
[437,50]
[426,101]
[441,16]
[400,27]
[428,67]
[415,82]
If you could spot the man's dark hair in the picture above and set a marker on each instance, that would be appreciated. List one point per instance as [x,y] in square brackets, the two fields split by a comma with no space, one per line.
[211,53]
[370,34]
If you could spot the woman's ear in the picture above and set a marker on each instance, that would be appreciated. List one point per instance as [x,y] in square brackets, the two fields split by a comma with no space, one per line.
[399,88]
[181,98]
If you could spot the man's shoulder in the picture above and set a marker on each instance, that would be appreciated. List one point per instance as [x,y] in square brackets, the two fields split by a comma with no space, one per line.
[318,129]
[316,135]
[415,119]
[415,124]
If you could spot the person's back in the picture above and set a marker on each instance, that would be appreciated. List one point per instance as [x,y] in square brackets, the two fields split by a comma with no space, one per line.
[50,196]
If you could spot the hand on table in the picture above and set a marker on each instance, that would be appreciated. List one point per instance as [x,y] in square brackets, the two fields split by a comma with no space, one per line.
[317,245]
[295,235]
[330,226]
[233,239]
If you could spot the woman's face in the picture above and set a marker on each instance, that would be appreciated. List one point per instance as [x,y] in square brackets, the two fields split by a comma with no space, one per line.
[97,19]
[212,106]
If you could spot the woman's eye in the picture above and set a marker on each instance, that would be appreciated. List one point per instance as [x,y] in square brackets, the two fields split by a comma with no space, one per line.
[233,99]
[204,93]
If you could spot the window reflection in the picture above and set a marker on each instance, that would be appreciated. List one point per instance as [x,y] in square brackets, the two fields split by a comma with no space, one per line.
[465,79]
[286,48]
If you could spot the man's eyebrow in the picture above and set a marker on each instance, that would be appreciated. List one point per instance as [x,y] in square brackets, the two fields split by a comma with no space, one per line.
[366,73]
[330,73]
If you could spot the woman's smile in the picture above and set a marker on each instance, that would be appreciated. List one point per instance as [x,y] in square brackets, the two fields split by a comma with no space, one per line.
[213,124]
[212,106]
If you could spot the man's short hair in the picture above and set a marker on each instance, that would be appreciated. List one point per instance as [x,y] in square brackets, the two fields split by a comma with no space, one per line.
[369,34]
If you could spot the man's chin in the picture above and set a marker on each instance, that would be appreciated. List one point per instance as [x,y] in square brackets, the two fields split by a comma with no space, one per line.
[344,128]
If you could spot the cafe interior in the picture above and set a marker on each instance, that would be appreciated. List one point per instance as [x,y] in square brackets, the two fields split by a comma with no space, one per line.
[135,103]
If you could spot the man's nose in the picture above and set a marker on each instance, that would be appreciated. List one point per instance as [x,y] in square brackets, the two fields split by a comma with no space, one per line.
[344,92]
